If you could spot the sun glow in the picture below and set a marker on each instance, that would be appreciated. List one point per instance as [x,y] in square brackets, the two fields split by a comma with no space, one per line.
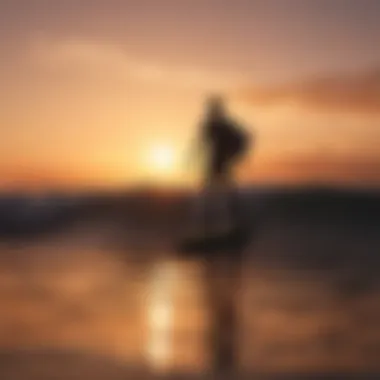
[162,158]
[161,162]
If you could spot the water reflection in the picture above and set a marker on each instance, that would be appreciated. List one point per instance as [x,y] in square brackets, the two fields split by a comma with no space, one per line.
[149,315]
[176,320]
[164,279]
[156,313]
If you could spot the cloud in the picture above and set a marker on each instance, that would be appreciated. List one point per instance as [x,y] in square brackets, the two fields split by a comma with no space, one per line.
[321,167]
[112,60]
[354,93]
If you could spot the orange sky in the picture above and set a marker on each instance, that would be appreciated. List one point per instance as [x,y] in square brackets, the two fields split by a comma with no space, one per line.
[91,92]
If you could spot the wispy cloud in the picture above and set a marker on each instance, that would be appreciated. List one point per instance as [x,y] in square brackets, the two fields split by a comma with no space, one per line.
[318,167]
[351,93]
[112,60]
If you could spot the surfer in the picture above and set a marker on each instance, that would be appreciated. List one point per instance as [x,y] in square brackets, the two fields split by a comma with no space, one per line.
[224,143]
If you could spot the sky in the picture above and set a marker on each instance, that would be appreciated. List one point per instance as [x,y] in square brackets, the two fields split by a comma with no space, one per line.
[110,93]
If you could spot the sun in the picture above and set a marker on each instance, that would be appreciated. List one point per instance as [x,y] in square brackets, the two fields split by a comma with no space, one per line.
[161,159]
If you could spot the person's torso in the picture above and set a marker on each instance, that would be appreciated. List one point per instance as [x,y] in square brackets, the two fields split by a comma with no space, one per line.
[224,137]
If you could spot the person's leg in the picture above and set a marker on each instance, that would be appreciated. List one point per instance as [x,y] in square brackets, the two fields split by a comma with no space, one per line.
[218,205]
[228,195]
[234,203]
[208,193]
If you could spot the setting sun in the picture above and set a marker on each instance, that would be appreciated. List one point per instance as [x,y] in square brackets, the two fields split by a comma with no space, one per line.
[161,160]
[162,157]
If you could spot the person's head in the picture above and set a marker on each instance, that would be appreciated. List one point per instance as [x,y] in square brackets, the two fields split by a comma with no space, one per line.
[215,107]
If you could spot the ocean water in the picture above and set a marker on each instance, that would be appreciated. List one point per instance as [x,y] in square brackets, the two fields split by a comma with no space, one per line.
[109,295]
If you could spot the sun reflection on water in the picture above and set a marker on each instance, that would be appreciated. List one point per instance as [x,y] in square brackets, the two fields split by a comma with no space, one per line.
[160,314]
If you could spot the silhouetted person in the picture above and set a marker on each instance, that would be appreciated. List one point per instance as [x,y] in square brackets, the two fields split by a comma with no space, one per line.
[225,144]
